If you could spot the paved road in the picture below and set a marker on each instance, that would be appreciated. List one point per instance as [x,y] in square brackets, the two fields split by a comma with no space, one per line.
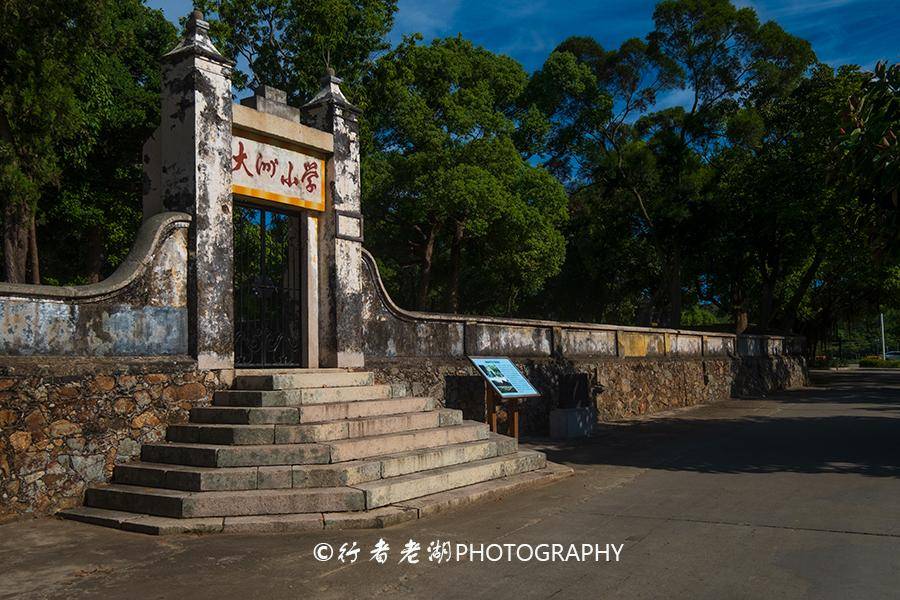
[791,497]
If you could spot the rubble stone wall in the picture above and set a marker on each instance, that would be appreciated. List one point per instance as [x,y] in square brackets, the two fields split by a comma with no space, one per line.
[89,373]
[628,371]
[66,422]
[618,388]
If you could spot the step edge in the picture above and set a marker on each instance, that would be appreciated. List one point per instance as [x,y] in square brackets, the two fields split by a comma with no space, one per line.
[414,508]
[460,426]
[437,472]
[361,419]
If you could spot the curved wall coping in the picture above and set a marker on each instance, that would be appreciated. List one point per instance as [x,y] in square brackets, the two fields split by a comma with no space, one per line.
[149,236]
[409,315]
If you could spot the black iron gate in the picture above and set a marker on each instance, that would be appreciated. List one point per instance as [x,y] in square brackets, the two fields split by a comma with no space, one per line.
[267,287]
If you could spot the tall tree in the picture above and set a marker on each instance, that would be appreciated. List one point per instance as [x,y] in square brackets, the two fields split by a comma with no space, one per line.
[79,95]
[289,43]
[713,56]
[779,199]
[725,59]
[788,225]
[871,135]
[100,203]
[463,217]
[45,69]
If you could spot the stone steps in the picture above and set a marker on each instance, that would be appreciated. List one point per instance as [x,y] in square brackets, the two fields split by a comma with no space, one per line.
[165,502]
[382,492]
[301,397]
[180,504]
[418,508]
[403,463]
[244,372]
[298,449]
[211,455]
[333,411]
[187,478]
[339,450]
[359,471]
[312,413]
[242,415]
[366,426]
[288,380]
[378,445]
[197,433]
[197,479]
[231,435]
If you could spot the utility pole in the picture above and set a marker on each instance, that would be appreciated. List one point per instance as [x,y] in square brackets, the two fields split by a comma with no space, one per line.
[883,349]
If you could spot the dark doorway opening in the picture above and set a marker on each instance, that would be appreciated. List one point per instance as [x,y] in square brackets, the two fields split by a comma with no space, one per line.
[267,287]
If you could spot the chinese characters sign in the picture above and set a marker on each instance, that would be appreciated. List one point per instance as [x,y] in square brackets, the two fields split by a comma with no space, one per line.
[268,172]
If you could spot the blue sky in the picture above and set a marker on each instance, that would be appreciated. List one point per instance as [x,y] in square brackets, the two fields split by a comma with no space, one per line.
[841,31]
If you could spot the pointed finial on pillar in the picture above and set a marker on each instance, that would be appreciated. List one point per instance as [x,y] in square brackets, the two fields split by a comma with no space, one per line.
[330,93]
[196,41]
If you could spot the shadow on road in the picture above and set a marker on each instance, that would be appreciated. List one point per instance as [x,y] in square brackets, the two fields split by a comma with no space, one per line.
[849,423]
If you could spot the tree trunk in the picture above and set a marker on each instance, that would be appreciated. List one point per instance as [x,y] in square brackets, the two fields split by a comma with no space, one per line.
[455,266]
[674,289]
[790,311]
[94,254]
[33,252]
[766,302]
[651,311]
[739,309]
[644,314]
[16,228]
[425,273]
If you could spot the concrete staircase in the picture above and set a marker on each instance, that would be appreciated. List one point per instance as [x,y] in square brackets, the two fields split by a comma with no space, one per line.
[307,449]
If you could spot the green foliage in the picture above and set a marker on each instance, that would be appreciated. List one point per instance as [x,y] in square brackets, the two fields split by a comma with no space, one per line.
[289,43]
[103,172]
[858,334]
[651,168]
[827,363]
[724,56]
[698,314]
[464,219]
[581,192]
[794,246]
[247,267]
[80,94]
[47,64]
[869,135]
[873,362]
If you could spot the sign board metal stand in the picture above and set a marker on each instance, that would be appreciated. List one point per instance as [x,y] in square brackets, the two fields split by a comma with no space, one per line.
[503,383]
[492,401]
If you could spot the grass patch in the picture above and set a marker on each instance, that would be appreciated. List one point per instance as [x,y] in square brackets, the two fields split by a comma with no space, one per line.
[873,362]
[827,363]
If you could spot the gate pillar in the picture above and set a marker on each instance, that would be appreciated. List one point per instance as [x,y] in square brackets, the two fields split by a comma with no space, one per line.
[340,230]
[195,177]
